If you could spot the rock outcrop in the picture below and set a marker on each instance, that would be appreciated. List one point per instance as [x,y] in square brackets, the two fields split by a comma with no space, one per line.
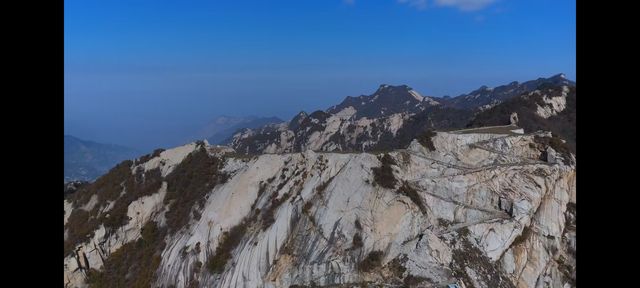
[479,209]
[513,120]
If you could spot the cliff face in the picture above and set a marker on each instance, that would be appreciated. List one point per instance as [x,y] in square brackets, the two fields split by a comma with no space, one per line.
[481,210]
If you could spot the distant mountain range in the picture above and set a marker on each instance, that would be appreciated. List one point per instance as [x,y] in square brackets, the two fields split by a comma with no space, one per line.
[394,115]
[87,160]
[485,97]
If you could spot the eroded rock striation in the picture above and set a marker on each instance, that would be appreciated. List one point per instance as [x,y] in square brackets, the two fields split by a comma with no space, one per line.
[481,210]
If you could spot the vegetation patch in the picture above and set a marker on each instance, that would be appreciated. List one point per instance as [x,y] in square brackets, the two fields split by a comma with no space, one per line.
[81,224]
[383,175]
[279,187]
[570,216]
[396,266]
[143,184]
[557,144]
[306,208]
[372,261]
[196,267]
[253,144]
[425,139]
[73,186]
[262,188]
[134,264]
[268,216]
[229,241]
[568,271]
[80,227]
[107,187]
[339,140]
[434,117]
[412,281]
[188,185]
[357,241]
[323,186]
[147,157]
[406,158]
[410,192]
[468,256]
[444,222]
[358,225]
[526,234]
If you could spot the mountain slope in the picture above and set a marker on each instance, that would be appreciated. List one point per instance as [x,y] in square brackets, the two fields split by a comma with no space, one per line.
[481,209]
[551,109]
[87,160]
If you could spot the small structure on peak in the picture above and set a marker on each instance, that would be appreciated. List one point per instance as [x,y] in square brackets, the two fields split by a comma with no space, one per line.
[513,119]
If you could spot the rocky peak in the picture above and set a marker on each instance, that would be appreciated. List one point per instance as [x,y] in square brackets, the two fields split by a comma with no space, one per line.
[385,101]
[386,90]
[297,120]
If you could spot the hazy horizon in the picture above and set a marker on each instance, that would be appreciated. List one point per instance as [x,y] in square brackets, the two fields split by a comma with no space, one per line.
[145,74]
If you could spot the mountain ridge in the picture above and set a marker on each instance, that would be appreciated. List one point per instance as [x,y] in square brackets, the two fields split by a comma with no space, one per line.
[393,115]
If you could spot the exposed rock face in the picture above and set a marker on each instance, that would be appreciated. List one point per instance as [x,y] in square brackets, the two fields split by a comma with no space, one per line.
[73,186]
[553,105]
[481,209]
[513,120]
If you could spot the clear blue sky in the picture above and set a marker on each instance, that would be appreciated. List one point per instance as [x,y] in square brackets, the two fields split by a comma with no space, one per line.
[147,73]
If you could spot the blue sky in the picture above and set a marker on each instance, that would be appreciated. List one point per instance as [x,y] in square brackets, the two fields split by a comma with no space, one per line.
[147,73]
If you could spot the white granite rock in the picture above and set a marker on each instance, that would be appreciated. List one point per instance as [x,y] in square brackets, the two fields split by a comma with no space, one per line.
[489,191]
